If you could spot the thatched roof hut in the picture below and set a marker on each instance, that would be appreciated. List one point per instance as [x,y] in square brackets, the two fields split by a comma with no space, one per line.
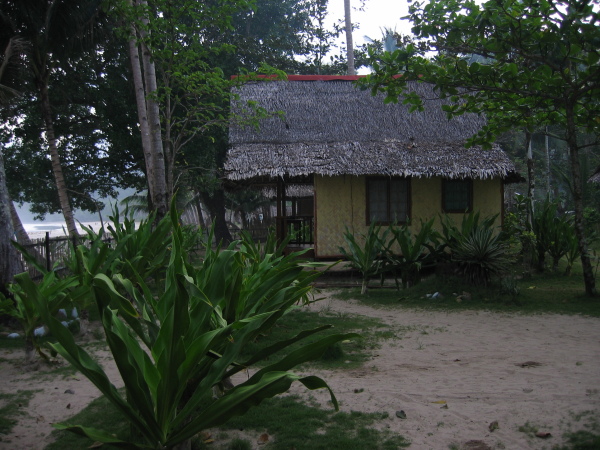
[330,127]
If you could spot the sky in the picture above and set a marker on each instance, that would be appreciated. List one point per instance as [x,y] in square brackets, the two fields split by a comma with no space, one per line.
[377,15]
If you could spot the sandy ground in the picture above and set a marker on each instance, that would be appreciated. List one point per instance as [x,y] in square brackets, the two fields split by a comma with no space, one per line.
[467,380]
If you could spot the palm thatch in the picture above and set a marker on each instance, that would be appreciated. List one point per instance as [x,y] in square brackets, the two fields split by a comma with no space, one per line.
[334,128]
[291,191]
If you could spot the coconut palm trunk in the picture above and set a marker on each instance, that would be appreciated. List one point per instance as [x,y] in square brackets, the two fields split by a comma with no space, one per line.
[349,43]
[145,84]
[59,178]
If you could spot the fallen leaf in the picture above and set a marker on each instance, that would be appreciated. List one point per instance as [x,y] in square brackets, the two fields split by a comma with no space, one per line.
[529,364]
[205,435]
[440,402]
[263,439]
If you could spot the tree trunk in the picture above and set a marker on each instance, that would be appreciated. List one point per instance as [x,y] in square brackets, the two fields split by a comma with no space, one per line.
[586,264]
[21,234]
[547,150]
[349,43]
[10,263]
[23,237]
[530,177]
[216,207]
[149,115]
[159,196]
[140,100]
[201,221]
[61,184]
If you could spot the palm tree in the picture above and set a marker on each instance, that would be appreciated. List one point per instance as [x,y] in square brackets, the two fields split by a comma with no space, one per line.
[349,43]
[10,264]
[54,31]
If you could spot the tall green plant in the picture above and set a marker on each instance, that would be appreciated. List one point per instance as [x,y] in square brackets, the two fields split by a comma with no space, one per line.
[414,251]
[544,226]
[23,306]
[172,348]
[145,244]
[367,257]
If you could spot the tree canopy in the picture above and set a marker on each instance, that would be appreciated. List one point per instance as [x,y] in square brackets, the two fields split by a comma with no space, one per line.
[523,63]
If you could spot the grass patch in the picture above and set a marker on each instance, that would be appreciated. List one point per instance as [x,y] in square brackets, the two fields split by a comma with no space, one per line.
[346,354]
[587,437]
[11,407]
[100,414]
[297,425]
[543,293]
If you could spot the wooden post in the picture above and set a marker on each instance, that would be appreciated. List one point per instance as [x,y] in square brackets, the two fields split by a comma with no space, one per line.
[47,246]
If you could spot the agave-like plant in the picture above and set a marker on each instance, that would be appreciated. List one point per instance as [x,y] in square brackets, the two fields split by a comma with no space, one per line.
[480,255]
[172,348]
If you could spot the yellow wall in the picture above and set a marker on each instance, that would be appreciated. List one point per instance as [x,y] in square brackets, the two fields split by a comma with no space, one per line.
[341,201]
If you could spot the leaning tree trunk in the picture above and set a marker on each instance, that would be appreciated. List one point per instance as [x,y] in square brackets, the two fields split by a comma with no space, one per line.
[586,264]
[61,184]
[10,264]
[20,233]
[23,237]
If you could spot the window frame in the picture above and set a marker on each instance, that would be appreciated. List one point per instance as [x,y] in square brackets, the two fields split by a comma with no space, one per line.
[469,183]
[388,184]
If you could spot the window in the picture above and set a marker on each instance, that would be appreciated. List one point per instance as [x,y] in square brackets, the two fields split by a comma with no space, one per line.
[457,196]
[387,199]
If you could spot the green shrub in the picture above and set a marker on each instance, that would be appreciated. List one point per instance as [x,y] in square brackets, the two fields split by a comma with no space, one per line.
[174,343]
[415,251]
[480,255]
[367,257]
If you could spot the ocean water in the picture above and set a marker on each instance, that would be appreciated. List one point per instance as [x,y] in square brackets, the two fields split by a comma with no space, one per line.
[38,230]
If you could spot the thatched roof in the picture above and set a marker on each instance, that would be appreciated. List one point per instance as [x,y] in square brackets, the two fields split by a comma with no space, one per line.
[333,128]
[291,191]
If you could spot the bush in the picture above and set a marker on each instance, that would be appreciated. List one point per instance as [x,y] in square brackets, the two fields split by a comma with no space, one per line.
[415,251]
[172,344]
[480,255]
[368,258]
